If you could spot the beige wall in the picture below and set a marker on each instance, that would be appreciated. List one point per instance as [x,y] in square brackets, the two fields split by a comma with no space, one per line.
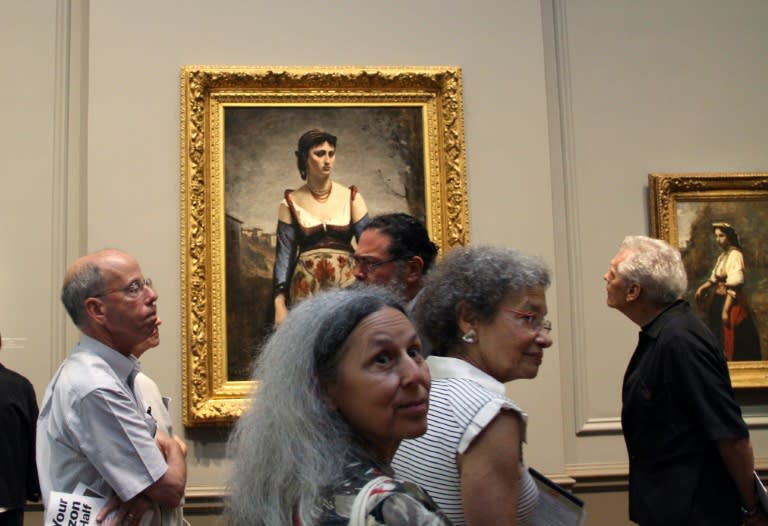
[650,87]
[568,107]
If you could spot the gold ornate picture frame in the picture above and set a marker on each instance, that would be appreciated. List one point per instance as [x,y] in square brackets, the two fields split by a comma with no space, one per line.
[685,209]
[239,127]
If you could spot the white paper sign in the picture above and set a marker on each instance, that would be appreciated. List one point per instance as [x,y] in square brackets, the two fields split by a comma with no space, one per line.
[67,509]
[80,509]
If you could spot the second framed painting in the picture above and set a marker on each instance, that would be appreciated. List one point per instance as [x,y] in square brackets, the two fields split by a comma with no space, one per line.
[719,221]
[399,136]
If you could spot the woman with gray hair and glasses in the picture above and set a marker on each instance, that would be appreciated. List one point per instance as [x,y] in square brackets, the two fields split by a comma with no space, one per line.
[483,312]
[340,383]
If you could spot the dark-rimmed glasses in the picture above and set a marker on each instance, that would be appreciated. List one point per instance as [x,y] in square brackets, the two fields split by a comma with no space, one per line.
[533,320]
[368,264]
[133,290]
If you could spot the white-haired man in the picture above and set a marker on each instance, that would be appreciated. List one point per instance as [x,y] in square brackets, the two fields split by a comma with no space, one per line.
[690,458]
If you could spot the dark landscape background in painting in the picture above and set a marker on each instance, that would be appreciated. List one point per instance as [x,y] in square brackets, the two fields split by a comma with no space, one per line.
[380,150]
[700,251]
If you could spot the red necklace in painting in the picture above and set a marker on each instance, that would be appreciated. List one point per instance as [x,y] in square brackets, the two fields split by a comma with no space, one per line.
[322,195]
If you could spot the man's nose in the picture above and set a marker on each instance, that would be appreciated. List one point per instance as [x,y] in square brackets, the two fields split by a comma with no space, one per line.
[153,295]
[544,339]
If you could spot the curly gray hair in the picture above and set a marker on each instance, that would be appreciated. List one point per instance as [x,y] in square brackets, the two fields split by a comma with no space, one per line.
[654,265]
[480,277]
[290,445]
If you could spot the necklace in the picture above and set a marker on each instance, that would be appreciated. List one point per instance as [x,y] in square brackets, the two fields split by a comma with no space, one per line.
[322,195]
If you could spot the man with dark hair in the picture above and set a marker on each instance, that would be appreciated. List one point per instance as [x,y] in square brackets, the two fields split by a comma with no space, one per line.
[395,251]
[18,474]
[92,429]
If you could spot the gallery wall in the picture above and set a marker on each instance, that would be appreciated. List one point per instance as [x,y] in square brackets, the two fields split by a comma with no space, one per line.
[134,62]
[655,87]
[568,106]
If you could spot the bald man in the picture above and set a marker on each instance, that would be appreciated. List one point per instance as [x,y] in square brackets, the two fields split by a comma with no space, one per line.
[91,428]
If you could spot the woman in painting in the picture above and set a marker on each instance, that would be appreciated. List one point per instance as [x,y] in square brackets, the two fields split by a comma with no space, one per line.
[315,225]
[729,315]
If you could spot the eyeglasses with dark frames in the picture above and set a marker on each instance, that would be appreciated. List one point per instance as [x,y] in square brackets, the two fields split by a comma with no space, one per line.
[533,320]
[133,290]
[368,264]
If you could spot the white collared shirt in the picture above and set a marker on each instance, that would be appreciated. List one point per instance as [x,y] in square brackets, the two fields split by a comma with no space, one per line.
[92,430]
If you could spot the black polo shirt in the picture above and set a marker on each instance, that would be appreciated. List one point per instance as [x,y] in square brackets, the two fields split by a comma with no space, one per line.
[677,402]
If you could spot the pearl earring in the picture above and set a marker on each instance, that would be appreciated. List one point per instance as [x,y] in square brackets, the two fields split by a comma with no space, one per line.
[470,336]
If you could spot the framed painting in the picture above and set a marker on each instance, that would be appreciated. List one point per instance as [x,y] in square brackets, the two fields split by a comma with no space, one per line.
[719,221]
[400,143]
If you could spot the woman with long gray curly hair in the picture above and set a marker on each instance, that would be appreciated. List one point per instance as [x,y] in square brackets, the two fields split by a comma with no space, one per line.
[340,383]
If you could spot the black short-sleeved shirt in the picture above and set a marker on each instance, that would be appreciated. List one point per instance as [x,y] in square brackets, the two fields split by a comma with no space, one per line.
[677,402]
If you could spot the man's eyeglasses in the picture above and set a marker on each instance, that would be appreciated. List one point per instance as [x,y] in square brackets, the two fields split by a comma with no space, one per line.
[533,320]
[368,264]
[133,290]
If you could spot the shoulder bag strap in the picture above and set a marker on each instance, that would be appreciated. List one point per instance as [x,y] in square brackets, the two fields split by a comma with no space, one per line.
[359,511]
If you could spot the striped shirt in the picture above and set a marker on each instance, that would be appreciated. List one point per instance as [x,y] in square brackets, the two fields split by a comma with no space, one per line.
[462,402]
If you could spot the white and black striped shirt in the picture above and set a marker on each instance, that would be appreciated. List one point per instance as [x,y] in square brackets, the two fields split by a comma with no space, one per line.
[462,402]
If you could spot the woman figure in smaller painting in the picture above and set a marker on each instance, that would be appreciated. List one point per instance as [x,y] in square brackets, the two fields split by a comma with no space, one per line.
[315,225]
[729,315]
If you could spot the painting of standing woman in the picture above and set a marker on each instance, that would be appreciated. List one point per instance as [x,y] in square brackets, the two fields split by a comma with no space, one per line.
[728,273]
[315,226]
[299,186]
[728,312]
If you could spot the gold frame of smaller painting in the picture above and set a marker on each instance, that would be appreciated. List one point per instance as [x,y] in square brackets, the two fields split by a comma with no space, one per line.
[683,208]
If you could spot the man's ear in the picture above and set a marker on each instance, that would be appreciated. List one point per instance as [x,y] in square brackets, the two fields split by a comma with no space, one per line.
[633,292]
[96,310]
[414,269]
